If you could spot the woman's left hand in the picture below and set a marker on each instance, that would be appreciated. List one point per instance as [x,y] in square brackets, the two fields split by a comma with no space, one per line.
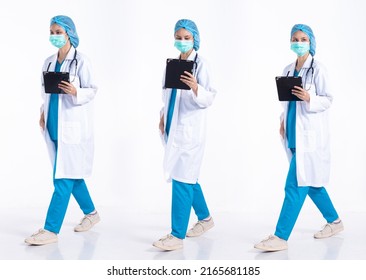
[301,93]
[190,81]
[67,88]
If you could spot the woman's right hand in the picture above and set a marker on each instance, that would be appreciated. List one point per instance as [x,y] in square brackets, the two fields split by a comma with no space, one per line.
[282,130]
[41,121]
[161,124]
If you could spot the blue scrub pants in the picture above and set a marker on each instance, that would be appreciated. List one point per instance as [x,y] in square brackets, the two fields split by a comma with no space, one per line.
[294,199]
[184,197]
[60,200]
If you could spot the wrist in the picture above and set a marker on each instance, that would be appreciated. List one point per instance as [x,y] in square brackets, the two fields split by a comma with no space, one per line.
[195,90]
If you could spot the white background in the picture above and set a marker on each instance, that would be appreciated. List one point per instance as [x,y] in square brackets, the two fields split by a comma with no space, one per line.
[247,45]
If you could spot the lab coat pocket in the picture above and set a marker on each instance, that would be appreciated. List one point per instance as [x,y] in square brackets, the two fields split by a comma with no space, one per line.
[75,81]
[184,138]
[310,88]
[309,141]
[71,132]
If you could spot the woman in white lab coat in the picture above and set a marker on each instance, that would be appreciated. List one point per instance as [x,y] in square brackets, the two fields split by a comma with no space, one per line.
[67,124]
[304,130]
[182,126]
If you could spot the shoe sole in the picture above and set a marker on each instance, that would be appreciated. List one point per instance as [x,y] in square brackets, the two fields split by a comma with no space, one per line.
[271,249]
[195,235]
[333,233]
[41,243]
[82,230]
[168,248]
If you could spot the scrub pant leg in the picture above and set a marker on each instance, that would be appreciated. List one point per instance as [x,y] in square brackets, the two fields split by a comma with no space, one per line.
[61,197]
[322,200]
[59,202]
[182,199]
[82,196]
[292,204]
[199,203]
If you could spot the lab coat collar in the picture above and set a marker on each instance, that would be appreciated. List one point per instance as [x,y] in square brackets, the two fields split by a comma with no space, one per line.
[191,56]
[305,66]
[308,61]
[70,54]
[69,57]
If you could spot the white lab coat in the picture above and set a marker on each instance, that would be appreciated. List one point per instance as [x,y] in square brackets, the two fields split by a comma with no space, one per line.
[75,120]
[184,147]
[312,127]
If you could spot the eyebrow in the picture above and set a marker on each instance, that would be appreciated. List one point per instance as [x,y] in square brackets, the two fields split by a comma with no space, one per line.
[184,36]
[59,29]
[301,38]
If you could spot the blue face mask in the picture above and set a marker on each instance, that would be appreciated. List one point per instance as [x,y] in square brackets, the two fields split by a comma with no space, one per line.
[58,40]
[300,48]
[183,45]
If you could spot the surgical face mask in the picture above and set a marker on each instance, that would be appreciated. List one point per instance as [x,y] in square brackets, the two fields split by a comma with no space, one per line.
[300,48]
[183,45]
[58,40]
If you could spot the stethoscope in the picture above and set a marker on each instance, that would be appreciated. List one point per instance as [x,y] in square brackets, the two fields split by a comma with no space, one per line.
[312,74]
[194,64]
[73,60]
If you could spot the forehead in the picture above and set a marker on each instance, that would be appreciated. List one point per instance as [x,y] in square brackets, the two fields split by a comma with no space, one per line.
[299,34]
[183,33]
[56,27]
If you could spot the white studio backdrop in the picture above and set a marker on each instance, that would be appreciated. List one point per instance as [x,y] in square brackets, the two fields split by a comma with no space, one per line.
[246,44]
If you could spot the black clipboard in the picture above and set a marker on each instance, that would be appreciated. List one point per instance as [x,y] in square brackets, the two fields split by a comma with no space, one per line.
[52,79]
[174,69]
[284,86]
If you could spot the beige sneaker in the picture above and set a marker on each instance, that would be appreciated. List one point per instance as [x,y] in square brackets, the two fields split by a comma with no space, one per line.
[329,230]
[272,244]
[87,222]
[169,243]
[41,237]
[200,227]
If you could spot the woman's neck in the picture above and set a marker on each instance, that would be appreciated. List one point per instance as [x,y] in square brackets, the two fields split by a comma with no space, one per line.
[62,53]
[185,56]
[300,61]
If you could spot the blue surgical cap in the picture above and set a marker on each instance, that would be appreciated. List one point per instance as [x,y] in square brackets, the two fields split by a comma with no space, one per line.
[191,27]
[68,25]
[307,30]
